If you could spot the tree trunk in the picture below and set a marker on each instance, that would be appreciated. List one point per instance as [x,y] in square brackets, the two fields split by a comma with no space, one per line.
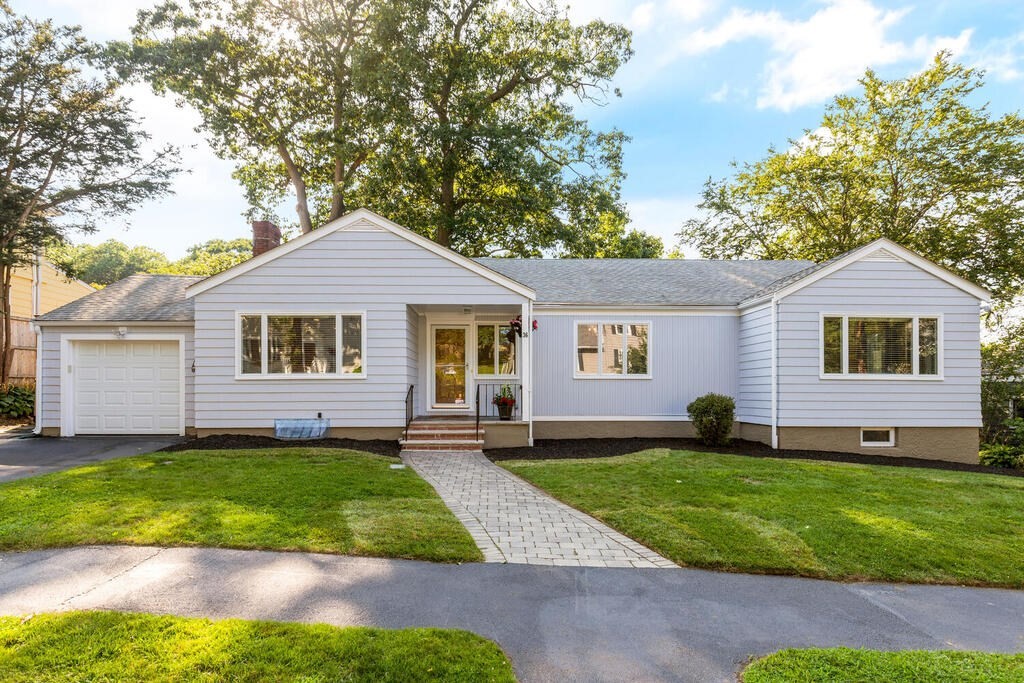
[301,201]
[447,223]
[6,346]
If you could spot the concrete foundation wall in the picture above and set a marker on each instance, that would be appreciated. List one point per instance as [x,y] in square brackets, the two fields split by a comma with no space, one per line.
[357,433]
[959,444]
[506,434]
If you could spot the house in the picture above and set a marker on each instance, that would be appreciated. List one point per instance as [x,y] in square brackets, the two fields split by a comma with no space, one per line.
[368,324]
[35,290]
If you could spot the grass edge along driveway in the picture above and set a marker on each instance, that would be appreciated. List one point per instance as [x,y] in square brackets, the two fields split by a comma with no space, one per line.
[145,647]
[301,499]
[910,666]
[819,519]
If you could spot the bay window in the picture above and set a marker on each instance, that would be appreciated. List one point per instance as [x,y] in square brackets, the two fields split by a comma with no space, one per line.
[880,346]
[308,345]
[612,350]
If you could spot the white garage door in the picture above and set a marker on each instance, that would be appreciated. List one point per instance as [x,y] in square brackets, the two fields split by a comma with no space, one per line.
[127,387]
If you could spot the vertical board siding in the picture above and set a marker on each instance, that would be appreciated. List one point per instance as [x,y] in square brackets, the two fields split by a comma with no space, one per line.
[359,269]
[689,355]
[754,397]
[49,383]
[879,287]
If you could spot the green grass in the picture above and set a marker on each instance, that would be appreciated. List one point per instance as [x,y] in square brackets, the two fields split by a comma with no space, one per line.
[319,500]
[828,520]
[107,646]
[868,666]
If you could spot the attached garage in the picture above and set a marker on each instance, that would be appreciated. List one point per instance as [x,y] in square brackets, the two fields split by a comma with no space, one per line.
[126,386]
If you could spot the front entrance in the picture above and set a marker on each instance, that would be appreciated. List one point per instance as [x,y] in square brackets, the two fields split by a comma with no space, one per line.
[451,366]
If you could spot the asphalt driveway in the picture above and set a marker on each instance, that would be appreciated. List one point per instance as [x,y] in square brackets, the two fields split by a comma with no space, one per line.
[29,456]
[557,624]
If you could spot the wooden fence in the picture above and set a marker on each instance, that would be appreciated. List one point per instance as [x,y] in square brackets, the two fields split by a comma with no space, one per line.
[23,368]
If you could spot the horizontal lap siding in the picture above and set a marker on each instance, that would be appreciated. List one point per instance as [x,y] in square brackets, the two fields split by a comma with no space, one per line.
[353,270]
[754,398]
[689,356]
[879,287]
[49,382]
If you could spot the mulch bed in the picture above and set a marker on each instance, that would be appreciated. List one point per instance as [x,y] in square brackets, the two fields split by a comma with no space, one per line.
[557,449]
[220,442]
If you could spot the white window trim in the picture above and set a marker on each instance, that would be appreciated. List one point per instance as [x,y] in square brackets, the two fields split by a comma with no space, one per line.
[476,352]
[600,349]
[916,376]
[299,376]
[878,444]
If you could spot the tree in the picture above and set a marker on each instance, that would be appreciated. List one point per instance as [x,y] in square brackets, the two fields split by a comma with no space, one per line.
[1002,378]
[453,117]
[611,240]
[488,155]
[107,262]
[212,257]
[912,160]
[277,83]
[71,150]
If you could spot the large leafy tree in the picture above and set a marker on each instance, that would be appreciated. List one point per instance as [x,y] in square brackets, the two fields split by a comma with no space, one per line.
[915,160]
[71,152]
[278,84]
[454,117]
[1002,377]
[107,262]
[489,155]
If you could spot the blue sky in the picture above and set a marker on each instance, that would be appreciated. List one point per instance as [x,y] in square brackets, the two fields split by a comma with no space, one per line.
[711,81]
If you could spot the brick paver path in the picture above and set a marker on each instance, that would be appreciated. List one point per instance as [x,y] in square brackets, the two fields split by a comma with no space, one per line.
[513,521]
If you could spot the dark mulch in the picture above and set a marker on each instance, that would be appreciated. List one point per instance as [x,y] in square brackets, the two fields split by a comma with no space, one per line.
[557,449]
[220,442]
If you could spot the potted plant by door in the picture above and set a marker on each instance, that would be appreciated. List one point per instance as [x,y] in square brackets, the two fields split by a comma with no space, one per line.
[505,399]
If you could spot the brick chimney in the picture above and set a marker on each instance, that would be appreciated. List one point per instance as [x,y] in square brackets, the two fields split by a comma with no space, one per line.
[265,236]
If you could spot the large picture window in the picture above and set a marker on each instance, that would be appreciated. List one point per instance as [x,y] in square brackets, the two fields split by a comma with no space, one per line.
[495,350]
[302,345]
[612,350]
[880,346]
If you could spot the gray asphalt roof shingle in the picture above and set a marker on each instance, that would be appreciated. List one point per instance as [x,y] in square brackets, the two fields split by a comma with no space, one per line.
[610,282]
[644,282]
[141,297]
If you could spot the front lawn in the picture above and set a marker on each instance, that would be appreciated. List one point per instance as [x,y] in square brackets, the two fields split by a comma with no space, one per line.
[319,500]
[868,666]
[107,646]
[828,520]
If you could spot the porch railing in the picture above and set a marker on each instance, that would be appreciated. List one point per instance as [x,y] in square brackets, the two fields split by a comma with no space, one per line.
[486,390]
[408,412]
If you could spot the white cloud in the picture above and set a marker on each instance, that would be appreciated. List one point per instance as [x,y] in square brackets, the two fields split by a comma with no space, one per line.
[818,57]
[720,95]
[689,10]
[642,16]
[1003,59]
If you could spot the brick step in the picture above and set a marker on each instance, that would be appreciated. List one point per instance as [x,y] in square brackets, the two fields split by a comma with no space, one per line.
[442,425]
[475,446]
[454,433]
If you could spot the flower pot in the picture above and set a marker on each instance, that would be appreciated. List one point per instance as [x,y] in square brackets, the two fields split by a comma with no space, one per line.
[505,411]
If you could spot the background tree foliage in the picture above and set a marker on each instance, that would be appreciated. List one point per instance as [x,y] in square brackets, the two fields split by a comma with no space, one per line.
[104,263]
[914,160]
[453,117]
[71,152]
[110,261]
[1002,378]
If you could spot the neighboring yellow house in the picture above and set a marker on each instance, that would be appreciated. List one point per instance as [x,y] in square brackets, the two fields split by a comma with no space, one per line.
[36,290]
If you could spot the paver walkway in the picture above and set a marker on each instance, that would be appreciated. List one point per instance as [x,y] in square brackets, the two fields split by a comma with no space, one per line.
[515,522]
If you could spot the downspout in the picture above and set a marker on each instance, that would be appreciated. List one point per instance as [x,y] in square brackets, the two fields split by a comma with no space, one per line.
[38,429]
[775,373]
[528,371]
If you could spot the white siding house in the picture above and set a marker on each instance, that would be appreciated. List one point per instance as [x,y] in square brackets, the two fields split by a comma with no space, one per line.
[874,352]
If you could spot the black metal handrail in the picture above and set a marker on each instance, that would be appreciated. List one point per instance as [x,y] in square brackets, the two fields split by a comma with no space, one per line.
[477,412]
[486,390]
[408,412]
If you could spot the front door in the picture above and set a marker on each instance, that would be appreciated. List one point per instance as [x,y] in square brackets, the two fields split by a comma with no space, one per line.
[450,366]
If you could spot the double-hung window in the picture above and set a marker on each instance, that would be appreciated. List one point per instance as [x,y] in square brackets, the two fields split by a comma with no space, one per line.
[495,350]
[612,350]
[881,346]
[307,345]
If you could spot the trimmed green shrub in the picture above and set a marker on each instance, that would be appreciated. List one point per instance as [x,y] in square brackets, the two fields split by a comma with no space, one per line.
[1002,455]
[713,415]
[1014,433]
[17,401]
